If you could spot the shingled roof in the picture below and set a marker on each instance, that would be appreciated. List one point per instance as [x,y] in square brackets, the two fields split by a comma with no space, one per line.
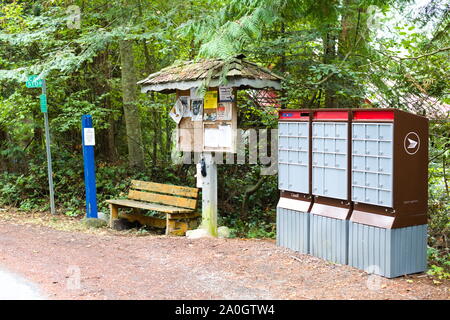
[238,72]
[418,103]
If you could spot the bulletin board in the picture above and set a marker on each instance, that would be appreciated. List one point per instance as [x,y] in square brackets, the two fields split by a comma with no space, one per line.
[208,123]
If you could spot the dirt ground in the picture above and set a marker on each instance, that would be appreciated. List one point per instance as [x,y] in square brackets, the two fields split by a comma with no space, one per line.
[68,261]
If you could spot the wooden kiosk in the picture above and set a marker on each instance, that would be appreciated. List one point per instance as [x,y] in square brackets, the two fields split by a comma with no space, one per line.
[206,113]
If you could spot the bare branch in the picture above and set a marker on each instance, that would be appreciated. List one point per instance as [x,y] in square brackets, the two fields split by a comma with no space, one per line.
[425,54]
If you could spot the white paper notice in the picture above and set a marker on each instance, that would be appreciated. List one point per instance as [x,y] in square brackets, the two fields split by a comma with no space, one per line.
[226,94]
[218,137]
[89,137]
[185,107]
[224,111]
[211,137]
[176,112]
[225,134]
[197,109]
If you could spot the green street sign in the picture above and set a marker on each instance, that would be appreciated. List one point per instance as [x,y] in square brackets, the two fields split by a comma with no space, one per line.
[43,98]
[33,82]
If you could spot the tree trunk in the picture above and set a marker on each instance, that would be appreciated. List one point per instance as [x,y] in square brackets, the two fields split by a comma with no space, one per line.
[329,54]
[328,12]
[111,135]
[112,151]
[3,160]
[131,112]
[158,136]
[347,29]
[283,65]
[168,149]
[156,129]
[352,38]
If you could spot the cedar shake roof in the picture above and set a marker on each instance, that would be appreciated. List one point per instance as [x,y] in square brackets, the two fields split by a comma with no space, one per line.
[237,72]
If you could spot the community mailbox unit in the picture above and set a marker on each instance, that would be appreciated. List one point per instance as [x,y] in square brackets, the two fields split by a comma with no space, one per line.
[354,187]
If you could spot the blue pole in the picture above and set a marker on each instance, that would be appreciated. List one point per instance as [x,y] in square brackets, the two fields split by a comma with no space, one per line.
[89,170]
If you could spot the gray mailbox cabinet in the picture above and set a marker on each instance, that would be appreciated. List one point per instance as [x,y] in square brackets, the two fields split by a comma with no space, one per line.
[329,225]
[372,163]
[293,156]
[294,180]
[329,159]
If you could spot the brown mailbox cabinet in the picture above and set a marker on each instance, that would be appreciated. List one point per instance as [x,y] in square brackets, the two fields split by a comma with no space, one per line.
[361,194]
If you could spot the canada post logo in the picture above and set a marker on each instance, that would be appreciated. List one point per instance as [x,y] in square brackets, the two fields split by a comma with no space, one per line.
[412,143]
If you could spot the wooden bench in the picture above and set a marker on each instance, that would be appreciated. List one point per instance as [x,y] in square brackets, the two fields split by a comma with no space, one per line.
[179,204]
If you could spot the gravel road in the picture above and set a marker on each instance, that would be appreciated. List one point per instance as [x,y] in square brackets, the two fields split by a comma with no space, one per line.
[116,265]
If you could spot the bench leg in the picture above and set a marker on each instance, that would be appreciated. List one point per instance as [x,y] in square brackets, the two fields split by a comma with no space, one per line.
[176,227]
[114,213]
[170,225]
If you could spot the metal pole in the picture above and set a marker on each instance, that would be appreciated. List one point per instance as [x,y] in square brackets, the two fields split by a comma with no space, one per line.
[209,196]
[89,169]
[49,155]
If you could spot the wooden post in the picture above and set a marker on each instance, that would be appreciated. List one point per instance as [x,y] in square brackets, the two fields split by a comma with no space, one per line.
[209,196]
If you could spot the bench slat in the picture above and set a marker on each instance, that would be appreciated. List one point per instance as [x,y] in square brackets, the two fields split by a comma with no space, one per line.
[165,188]
[148,206]
[163,199]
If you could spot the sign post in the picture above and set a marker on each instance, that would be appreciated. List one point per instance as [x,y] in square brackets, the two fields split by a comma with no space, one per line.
[209,195]
[88,137]
[35,82]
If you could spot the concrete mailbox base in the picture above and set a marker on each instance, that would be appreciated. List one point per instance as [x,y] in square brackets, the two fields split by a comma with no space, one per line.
[293,225]
[388,252]
[329,238]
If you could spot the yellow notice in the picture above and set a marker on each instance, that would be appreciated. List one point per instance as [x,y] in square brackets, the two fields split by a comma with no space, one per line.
[210,100]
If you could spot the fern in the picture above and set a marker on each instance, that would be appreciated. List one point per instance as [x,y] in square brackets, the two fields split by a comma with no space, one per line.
[237,24]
